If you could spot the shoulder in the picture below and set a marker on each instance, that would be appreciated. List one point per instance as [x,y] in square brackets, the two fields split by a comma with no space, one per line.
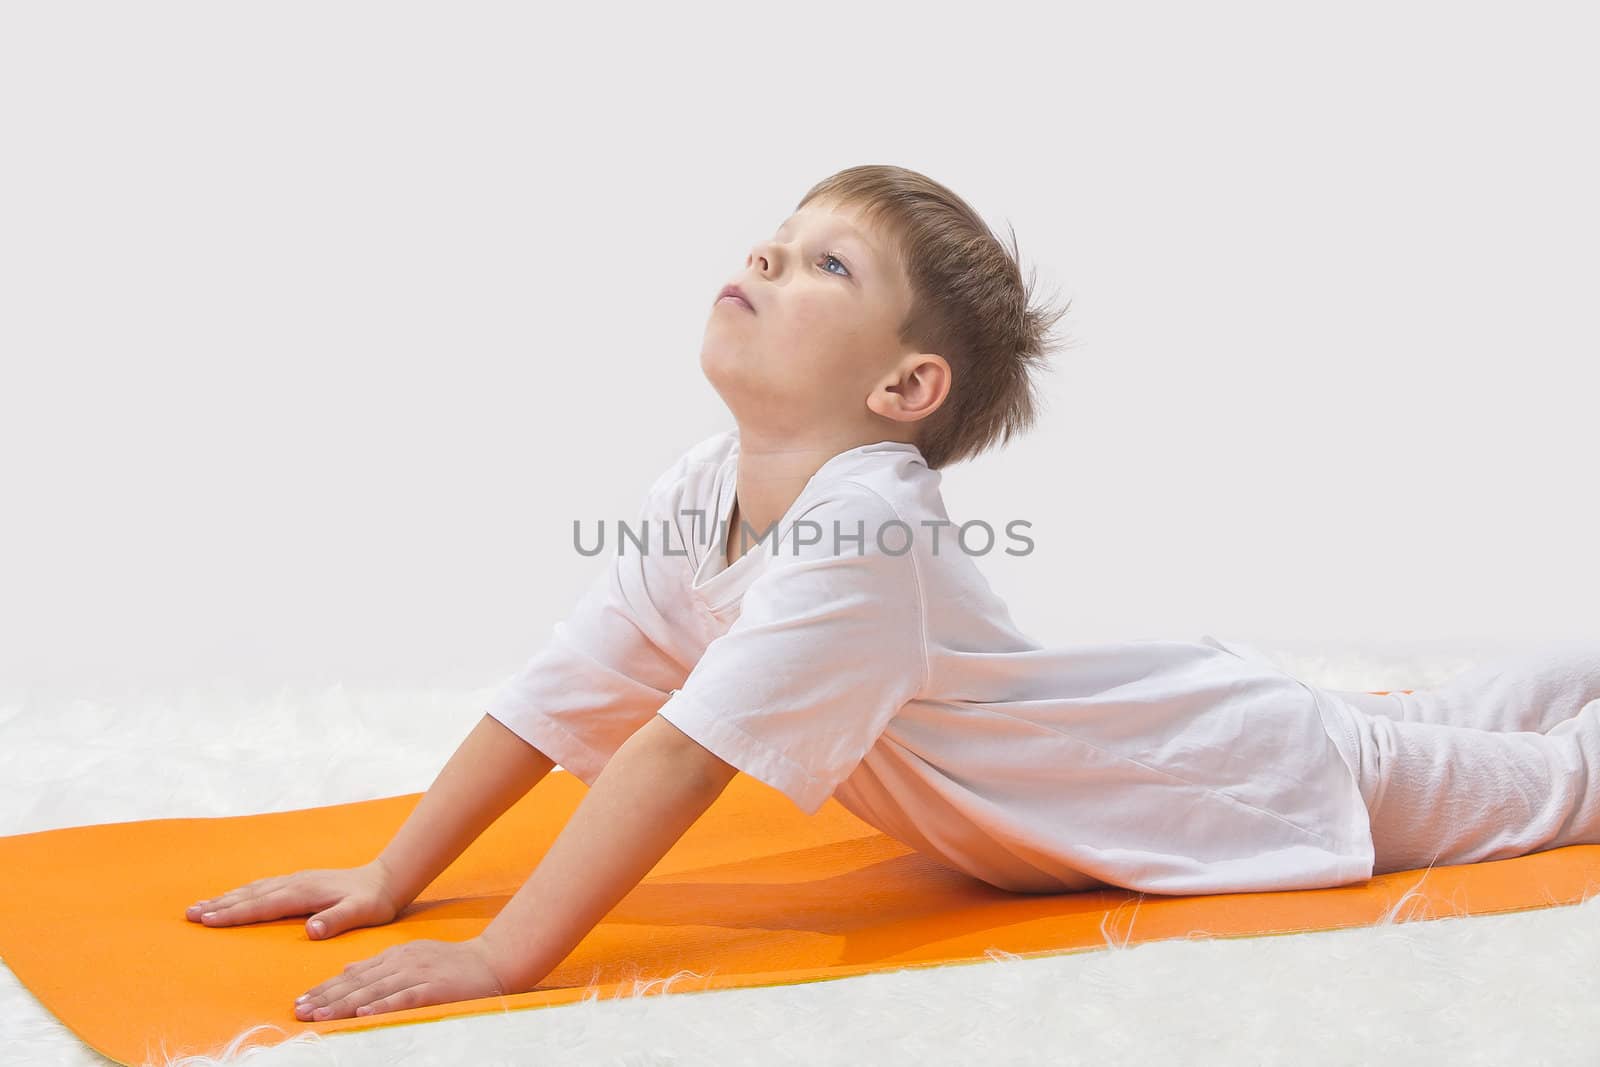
[706,454]
[842,574]
[852,540]
[899,478]
[842,509]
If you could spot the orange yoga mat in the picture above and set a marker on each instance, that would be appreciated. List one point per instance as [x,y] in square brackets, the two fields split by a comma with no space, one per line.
[755,894]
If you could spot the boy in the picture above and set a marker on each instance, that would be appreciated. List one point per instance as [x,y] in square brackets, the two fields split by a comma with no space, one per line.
[881,334]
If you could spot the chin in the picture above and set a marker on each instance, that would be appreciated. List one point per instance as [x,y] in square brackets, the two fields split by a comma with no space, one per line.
[721,364]
[732,385]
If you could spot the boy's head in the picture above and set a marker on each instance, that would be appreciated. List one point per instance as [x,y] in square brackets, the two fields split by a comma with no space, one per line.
[884,308]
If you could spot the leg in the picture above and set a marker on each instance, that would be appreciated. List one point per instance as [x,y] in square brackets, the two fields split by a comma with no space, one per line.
[1532,690]
[1447,795]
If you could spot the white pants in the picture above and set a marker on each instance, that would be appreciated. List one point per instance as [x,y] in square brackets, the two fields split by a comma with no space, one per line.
[1500,761]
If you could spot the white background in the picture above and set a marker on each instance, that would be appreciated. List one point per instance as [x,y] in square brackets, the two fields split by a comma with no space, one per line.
[319,325]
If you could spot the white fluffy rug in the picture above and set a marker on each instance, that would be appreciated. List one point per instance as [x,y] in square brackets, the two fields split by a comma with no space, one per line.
[1521,988]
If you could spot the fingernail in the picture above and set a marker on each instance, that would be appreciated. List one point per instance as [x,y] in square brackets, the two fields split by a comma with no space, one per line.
[209,915]
[302,998]
[317,929]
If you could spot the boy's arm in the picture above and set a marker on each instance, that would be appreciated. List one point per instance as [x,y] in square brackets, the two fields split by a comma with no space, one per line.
[488,773]
[652,790]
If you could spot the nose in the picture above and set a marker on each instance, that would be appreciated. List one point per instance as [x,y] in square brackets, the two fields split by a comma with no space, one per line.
[765,256]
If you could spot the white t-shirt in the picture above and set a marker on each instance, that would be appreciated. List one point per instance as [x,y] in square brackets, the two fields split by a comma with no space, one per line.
[888,675]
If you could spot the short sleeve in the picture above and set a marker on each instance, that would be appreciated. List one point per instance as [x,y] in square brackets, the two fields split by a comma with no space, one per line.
[601,675]
[827,648]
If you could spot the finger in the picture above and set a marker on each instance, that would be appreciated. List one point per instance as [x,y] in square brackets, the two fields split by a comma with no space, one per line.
[199,907]
[414,996]
[330,922]
[342,1003]
[353,976]
[233,896]
[274,904]
[246,890]
[396,983]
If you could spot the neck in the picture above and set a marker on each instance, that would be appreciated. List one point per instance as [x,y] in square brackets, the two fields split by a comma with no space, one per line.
[772,471]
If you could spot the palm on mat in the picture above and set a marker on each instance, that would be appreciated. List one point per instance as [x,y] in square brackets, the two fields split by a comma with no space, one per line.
[412,975]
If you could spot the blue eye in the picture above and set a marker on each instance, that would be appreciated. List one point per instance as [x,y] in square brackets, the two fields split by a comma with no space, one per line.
[827,256]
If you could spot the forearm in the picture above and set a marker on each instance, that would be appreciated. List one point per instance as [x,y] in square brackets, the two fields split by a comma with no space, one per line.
[653,789]
[491,770]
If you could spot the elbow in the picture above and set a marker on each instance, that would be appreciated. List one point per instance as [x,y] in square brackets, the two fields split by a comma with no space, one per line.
[692,760]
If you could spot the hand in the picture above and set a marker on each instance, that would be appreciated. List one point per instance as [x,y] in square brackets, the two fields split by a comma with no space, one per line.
[405,976]
[342,898]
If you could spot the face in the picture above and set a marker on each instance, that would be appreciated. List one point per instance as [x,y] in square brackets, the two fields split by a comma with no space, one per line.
[827,299]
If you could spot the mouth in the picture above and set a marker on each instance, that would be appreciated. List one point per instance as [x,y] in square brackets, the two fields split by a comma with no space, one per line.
[733,292]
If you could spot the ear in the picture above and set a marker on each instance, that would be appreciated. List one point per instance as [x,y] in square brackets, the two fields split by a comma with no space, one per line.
[913,390]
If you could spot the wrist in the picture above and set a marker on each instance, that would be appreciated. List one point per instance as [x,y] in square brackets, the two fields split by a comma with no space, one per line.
[393,891]
[509,970]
